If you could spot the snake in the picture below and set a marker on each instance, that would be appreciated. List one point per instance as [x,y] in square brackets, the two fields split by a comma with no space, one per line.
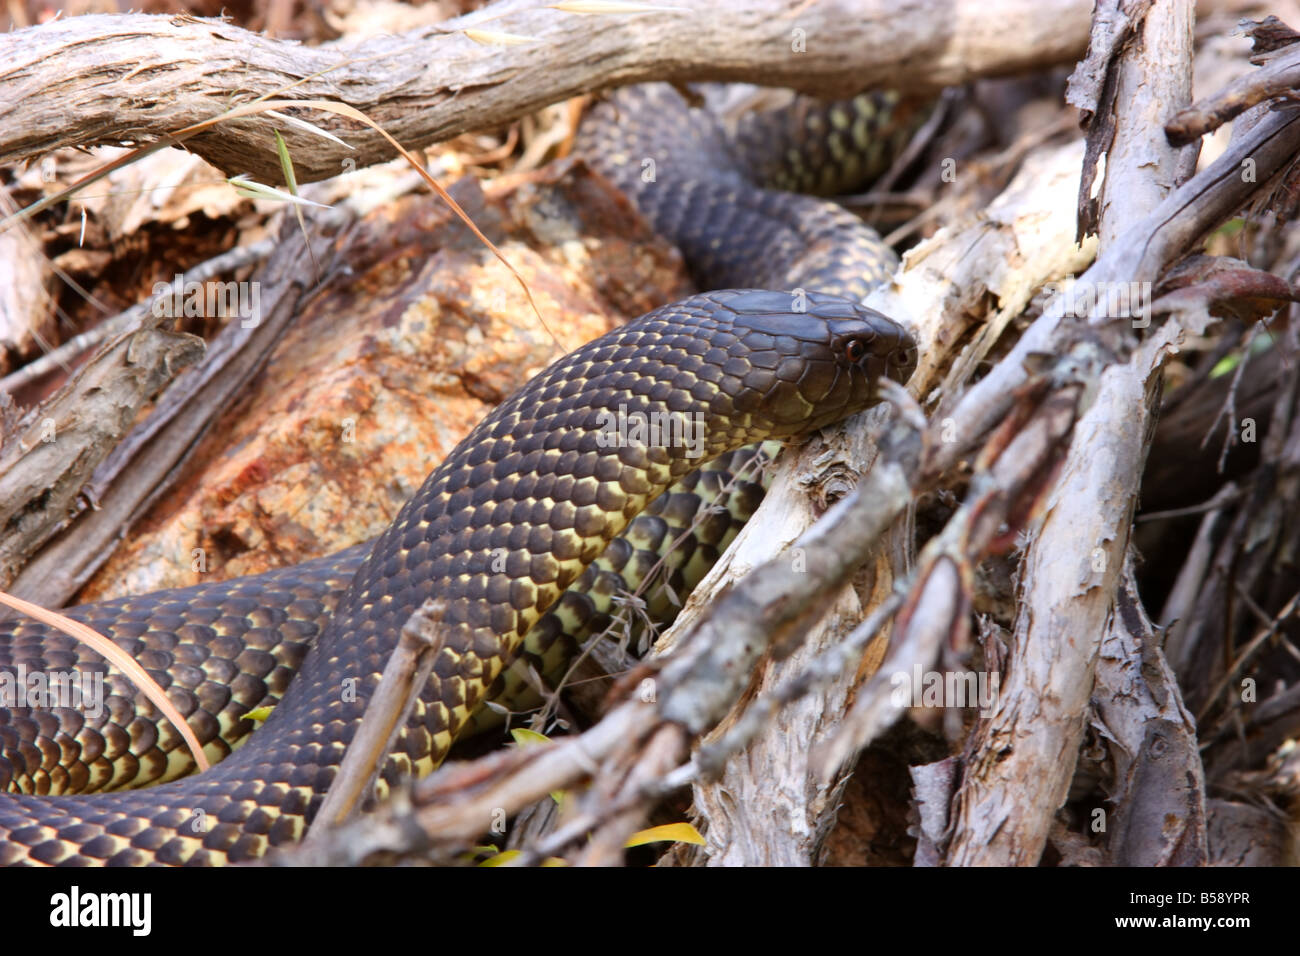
[540,496]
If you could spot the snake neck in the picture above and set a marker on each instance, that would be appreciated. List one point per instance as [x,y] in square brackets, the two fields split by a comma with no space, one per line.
[513,516]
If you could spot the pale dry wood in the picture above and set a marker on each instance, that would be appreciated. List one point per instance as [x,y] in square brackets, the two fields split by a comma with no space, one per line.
[114,79]
[1024,757]
[25,278]
[621,786]
[1169,230]
[46,463]
[1277,77]
[1158,789]
[1003,495]
[405,674]
[767,808]
[1176,225]
[454,806]
[1154,739]
[70,350]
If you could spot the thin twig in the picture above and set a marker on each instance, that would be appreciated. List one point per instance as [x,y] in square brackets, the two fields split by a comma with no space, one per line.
[404,677]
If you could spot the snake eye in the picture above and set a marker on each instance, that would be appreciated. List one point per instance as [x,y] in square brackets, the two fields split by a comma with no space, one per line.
[856,350]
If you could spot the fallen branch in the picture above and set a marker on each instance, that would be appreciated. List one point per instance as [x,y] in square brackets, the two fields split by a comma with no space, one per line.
[95,80]
[155,450]
[1022,240]
[228,261]
[1022,759]
[46,463]
[1157,788]
[1278,77]
[1145,249]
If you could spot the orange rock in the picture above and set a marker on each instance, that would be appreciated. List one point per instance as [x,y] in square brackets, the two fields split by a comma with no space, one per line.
[388,366]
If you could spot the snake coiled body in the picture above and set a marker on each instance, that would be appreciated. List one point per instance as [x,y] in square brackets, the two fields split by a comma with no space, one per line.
[514,516]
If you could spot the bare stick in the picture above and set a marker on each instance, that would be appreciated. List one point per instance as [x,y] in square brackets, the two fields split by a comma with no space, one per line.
[1279,77]
[405,675]
[155,450]
[1147,247]
[1158,787]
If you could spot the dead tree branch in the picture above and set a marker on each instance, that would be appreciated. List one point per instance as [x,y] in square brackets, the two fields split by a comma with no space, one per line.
[1279,76]
[181,417]
[1020,768]
[94,80]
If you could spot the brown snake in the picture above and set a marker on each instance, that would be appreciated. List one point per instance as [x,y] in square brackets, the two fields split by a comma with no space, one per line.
[499,530]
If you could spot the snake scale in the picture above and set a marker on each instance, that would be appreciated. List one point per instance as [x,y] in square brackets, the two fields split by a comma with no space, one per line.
[534,500]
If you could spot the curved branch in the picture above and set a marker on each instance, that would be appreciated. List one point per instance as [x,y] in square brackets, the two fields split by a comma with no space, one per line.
[115,79]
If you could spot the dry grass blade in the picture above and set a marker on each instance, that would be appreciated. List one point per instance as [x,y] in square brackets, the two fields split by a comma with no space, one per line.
[492,37]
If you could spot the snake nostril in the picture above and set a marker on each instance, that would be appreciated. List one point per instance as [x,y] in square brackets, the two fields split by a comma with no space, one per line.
[902,361]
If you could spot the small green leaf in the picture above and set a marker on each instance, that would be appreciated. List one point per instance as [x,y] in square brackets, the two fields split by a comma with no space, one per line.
[1225,365]
[525,737]
[529,738]
[493,38]
[286,164]
[308,127]
[1232,227]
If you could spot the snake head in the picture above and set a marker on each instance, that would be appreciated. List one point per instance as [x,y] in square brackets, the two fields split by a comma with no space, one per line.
[814,359]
